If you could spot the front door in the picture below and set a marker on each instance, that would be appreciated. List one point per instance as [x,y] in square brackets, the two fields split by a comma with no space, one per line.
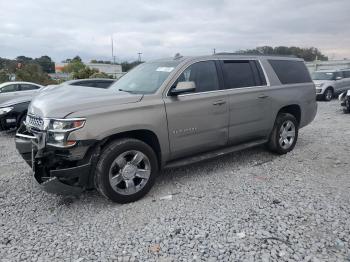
[197,121]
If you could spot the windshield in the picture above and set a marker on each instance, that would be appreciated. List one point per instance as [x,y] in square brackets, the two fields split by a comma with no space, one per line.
[145,78]
[323,76]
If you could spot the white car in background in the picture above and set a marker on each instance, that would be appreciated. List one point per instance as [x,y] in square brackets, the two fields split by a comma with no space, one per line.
[12,90]
[331,82]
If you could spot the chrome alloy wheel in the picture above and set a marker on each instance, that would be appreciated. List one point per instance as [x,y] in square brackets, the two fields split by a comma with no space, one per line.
[287,134]
[129,172]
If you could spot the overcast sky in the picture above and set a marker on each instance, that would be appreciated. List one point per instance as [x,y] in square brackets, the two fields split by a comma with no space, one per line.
[158,28]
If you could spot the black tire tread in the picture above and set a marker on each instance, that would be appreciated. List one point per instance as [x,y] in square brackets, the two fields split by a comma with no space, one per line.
[324,94]
[99,173]
[273,141]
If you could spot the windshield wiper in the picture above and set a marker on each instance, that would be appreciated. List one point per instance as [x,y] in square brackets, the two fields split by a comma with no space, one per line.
[127,91]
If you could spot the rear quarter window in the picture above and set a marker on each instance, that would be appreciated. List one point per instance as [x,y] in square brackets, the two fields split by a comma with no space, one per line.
[291,72]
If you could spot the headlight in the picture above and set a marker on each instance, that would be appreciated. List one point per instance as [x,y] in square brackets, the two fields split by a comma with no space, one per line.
[59,130]
[65,125]
[319,85]
[5,110]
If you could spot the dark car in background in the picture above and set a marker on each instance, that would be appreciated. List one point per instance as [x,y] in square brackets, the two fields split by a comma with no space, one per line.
[14,111]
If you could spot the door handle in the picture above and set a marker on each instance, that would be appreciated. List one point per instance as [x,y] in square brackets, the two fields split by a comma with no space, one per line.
[263,96]
[219,103]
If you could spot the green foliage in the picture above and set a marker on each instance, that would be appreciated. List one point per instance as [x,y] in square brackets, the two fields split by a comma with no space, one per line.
[73,67]
[101,75]
[47,65]
[85,72]
[308,54]
[33,72]
[4,77]
[126,66]
[24,59]
[94,61]
[8,65]
[75,59]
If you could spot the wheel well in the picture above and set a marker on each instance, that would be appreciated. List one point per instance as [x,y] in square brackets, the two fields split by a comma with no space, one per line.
[331,87]
[147,136]
[20,117]
[293,110]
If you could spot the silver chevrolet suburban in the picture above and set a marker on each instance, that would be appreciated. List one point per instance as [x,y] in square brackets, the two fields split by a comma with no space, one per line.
[163,114]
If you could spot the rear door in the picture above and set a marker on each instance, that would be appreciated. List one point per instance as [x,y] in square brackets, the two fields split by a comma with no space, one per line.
[249,103]
[8,92]
[197,121]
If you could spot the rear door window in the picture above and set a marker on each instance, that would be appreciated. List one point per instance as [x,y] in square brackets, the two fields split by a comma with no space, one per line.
[27,87]
[242,73]
[290,71]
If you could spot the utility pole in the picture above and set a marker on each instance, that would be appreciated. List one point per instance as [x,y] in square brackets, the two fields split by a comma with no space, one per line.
[113,56]
[112,49]
[214,51]
[140,57]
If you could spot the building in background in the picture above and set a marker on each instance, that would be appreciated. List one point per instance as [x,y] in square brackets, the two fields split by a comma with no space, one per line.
[111,69]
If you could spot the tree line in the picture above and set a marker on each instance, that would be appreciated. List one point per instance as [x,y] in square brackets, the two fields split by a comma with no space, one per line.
[38,69]
[308,54]
[27,69]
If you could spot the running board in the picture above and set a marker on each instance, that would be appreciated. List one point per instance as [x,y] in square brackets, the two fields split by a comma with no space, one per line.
[213,154]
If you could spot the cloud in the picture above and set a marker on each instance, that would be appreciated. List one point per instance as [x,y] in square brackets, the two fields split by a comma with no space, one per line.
[161,28]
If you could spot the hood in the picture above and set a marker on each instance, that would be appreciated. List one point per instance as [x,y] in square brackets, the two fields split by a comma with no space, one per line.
[60,102]
[18,100]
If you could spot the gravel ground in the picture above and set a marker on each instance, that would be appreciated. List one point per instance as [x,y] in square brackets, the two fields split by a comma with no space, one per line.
[247,206]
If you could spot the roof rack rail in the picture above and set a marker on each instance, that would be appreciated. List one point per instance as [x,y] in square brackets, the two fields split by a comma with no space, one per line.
[254,54]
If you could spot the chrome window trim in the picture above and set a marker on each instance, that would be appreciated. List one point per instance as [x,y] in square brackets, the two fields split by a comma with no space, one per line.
[219,90]
[264,72]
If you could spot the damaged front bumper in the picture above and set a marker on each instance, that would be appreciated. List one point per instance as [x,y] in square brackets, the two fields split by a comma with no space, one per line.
[55,170]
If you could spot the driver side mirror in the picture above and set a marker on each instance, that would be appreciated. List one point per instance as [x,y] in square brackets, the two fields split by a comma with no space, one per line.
[183,87]
[338,78]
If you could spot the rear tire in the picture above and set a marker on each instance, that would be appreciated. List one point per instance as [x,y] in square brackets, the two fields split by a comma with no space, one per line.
[284,134]
[126,170]
[328,94]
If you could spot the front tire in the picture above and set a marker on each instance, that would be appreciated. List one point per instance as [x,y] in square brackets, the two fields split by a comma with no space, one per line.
[126,170]
[284,134]
[328,94]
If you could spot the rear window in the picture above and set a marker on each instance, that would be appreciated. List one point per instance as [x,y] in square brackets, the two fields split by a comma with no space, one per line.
[291,72]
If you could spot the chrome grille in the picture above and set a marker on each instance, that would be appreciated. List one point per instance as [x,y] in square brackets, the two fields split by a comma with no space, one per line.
[35,121]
